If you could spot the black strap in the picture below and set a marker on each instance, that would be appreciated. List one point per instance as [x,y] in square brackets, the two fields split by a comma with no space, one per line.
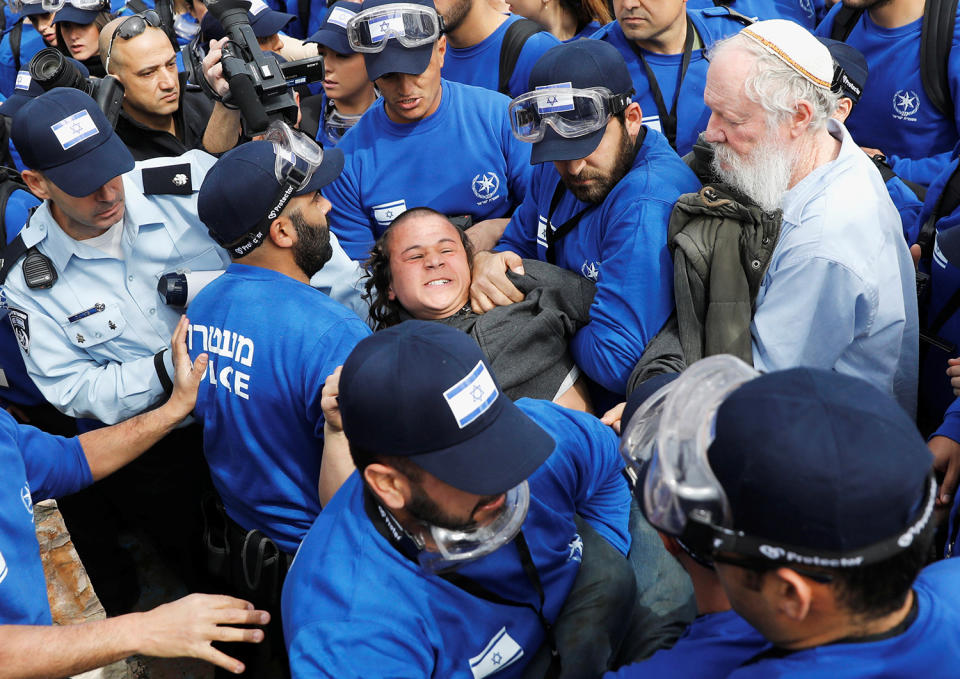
[303,13]
[948,201]
[936,38]
[843,23]
[10,181]
[554,235]
[137,6]
[513,41]
[668,119]
[161,369]
[15,34]
[11,255]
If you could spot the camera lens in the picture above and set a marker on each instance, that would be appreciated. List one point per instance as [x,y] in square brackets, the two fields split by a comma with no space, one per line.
[47,66]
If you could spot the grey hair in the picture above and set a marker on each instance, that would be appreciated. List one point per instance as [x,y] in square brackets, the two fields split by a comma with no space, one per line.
[777,87]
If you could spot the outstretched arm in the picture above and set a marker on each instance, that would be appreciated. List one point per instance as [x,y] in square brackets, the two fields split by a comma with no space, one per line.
[110,448]
[183,628]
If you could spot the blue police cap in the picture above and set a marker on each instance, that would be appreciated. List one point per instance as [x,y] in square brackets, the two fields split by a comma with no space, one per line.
[76,15]
[425,391]
[64,134]
[583,64]
[854,66]
[819,460]
[26,88]
[333,30]
[241,188]
[395,58]
[263,20]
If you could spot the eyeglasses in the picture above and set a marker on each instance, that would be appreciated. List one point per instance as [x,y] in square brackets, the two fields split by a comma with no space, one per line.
[131,27]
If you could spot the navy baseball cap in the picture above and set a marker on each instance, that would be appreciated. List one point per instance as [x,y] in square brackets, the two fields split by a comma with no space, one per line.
[333,30]
[820,460]
[395,58]
[855,69]
[76,15]
[64,134]
[29,9]
[425,391]
[241,188]
[26,88]
[582,64]
[264,21]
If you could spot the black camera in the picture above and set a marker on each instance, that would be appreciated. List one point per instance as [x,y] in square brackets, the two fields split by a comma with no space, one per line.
[258,83]
[49,69]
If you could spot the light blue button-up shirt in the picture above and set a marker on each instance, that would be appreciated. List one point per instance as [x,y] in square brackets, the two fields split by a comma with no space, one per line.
[91,338]
[840,289]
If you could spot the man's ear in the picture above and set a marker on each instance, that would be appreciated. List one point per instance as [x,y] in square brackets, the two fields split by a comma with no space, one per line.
[390,485]
[633,119]
[282,233]
[800,121]
[37,184]
[793,594]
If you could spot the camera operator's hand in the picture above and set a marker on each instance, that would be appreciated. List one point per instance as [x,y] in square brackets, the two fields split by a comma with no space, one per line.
[213,69]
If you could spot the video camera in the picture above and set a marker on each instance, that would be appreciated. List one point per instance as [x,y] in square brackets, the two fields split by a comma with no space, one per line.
[258,83]
[49,69]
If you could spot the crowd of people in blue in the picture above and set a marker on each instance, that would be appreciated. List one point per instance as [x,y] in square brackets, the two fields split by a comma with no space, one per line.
[604,340]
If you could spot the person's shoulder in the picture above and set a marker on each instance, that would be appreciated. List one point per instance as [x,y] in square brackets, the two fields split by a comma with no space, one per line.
[658,173]
[716,23]
[605,32]
[470,97]
[171,175]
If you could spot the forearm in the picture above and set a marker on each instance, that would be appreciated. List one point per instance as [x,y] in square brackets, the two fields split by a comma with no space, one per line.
[484,235]
[28,652]
[110,448]
[336,465]
[223,129]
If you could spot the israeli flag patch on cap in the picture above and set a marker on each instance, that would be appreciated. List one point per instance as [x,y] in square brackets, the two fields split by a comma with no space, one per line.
[392,24]
[387,212]
[339,16]
[257,7]
[23,80]
[472,396]
[555,103]
[73,130]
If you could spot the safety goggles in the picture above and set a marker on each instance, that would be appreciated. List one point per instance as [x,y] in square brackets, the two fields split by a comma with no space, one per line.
[451,549]
[411,25]
[336,124]
[665,447]
[131,27]
[570,111]
[57,5]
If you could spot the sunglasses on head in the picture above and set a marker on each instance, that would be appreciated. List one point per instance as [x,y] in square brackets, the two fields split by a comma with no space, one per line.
[131,27]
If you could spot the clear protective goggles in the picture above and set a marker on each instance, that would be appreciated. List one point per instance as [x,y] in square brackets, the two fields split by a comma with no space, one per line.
[57,5]
[297,156]
[411,25]
[336,124]
[570,111]
[665,446]
[451,549]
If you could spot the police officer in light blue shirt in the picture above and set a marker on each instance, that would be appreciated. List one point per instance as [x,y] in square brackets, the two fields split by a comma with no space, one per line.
[81,287]
[599,203]
[426,141]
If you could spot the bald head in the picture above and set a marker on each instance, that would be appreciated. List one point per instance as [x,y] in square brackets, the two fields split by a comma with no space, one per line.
[124,49]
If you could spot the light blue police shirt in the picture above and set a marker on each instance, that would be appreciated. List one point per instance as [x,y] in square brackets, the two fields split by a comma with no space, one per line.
[88,342]
[840,289]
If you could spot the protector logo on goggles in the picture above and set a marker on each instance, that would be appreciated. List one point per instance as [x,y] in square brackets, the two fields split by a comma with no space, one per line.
[555,103]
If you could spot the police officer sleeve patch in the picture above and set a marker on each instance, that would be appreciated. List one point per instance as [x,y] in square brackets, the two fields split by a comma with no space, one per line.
[168,179]
[21,328]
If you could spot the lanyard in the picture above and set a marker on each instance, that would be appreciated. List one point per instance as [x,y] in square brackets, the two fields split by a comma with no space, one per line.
[668,119]
[554,235]
[390,528]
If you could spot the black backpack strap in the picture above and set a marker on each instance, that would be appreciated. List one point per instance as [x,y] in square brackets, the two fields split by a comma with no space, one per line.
[15,34]
[734,14]
[303,13]
[947,202]
[137,6]
[844,22]
[516,37]
[11,255]
[936,38]
[10,181]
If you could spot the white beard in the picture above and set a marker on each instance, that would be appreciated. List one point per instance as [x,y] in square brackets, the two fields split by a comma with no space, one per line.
[763,175]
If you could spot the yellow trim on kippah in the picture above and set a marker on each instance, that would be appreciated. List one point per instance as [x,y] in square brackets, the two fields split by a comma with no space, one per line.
[786,58]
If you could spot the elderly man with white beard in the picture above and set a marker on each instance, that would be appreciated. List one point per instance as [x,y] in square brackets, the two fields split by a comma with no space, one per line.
[839,290]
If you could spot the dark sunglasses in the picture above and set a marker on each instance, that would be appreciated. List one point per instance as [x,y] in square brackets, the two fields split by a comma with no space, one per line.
[131,27]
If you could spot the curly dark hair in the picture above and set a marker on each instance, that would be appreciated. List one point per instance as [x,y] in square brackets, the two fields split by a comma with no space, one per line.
[385,312]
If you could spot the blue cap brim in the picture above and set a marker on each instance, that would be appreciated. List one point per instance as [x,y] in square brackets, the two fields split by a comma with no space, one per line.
[13,104]
[269,22]
[509,450]
[76,16]
[84,175]
[554,147]
[328,171]
[397,59]
[335,40]
[32,9]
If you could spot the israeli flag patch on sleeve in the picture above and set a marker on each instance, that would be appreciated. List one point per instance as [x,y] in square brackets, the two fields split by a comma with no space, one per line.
[555,103]
[472,396]
[500,652]
[74,129]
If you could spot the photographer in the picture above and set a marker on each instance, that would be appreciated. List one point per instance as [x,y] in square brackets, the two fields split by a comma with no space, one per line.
[160,117]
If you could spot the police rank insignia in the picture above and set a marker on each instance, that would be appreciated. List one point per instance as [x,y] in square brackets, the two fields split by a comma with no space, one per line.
[21,328]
